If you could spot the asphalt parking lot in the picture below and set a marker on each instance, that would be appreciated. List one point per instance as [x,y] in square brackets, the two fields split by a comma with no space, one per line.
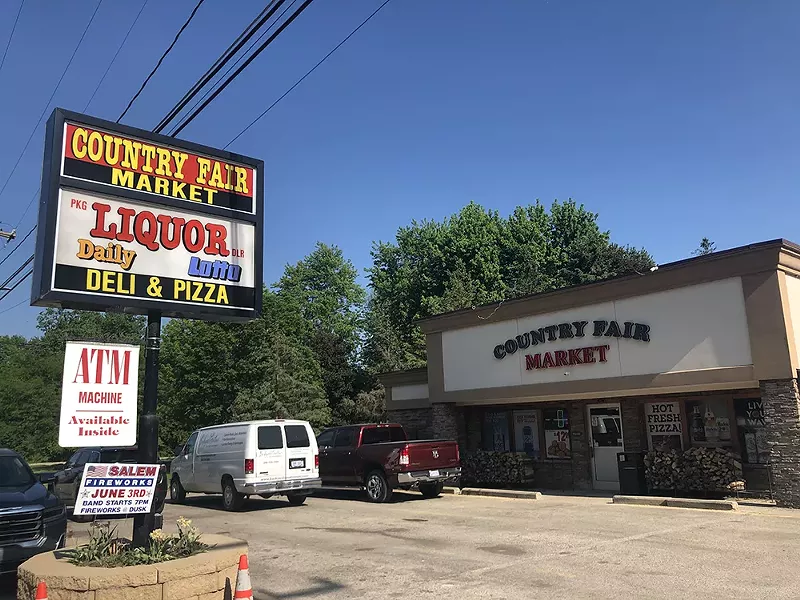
[338,546]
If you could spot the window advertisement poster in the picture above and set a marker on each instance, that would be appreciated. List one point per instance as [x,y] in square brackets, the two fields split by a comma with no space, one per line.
[99,395]
[664,426]
[526,432]
[496,432]
[556,433]
[116,489]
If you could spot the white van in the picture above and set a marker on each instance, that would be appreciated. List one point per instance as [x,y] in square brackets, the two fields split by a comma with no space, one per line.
[241,459]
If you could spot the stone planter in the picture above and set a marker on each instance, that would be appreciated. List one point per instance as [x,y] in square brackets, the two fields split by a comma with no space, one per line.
[199,577]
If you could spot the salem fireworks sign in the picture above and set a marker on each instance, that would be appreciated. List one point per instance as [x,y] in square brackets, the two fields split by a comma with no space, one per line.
[135,221]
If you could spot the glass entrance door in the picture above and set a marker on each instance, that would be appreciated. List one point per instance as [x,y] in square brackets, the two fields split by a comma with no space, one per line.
[605,427]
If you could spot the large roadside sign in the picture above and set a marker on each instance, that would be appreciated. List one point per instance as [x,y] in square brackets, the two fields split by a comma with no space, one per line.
[116,489]
[135,221]
[99,395]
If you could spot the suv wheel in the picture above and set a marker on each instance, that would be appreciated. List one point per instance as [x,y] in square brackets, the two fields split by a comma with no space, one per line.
[377,487]
[176,492]
[231,499]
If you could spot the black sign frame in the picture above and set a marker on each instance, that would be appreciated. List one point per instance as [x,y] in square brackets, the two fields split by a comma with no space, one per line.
[42,292]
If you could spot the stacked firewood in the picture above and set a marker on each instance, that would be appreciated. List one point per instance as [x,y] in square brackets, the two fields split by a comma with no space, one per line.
[694,470]
[494,468]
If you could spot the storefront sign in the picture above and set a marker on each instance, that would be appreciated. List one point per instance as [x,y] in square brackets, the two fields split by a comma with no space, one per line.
[98,395]
[664,426]
[526,431]
[557,443]
[565,358]
[140,221]
[116,489]
[576,329]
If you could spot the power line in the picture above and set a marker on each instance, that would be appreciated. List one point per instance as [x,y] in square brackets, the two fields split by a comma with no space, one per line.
[27,208]
[10,37]
[15,273]
[44,112]
[14,249]
[20,303]
[242,67]
[235,46]
[244,55]
[310,71]
[13,287]
[116,54]
[160,60]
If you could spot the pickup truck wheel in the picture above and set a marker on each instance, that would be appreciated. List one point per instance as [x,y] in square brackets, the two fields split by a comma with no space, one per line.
[231,499]
[377,487]
[296,499]
[431,490]
[176,492]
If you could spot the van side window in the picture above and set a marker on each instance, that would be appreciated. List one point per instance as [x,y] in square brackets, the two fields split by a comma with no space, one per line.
[296,436]
[345,438]
[189,450]
[270,437]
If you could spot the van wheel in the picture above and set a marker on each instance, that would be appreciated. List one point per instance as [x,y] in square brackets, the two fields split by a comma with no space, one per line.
[431,490]
[231,499]
[377,487]
[176,492]
[296,499]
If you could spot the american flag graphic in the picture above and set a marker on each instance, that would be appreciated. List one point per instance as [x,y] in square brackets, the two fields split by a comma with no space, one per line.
[96,471]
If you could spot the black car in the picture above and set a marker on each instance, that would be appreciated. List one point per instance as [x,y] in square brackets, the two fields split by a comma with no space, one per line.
[32,520]
[67,481]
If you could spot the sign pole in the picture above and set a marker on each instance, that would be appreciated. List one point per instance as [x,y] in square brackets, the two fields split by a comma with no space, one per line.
[143,525]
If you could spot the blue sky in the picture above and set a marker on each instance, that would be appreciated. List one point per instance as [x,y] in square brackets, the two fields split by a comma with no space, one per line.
[673,120]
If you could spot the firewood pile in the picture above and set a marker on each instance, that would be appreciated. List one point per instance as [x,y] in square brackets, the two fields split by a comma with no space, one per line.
[495,468]
[695,470]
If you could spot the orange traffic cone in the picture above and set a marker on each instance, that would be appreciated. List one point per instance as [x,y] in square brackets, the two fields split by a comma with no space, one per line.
[41,591]
[244,591]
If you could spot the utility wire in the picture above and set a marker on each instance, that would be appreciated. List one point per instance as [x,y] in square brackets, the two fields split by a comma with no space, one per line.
[13,287]
[224,58]
[160,60]
[116,54]
[15,273]
[10,37]
[44,112]
[243,56]
[309,72]
[14,249]
[20,303]
[27,208]
[242,67]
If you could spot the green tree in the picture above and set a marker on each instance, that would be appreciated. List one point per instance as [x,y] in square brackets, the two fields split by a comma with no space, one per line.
[706,247]
[476,257]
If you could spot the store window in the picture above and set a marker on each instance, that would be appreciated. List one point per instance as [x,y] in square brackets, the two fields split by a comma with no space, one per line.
[496,432]
[752,430]
[556,433]
[664,425]
[526,432]
[709,422]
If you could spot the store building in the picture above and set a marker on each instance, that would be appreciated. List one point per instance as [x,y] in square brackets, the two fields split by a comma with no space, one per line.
[701,352]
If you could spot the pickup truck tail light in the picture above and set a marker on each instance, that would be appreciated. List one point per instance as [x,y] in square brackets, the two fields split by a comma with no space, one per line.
[316,461]
[404,458]
[458,454]
[249,466]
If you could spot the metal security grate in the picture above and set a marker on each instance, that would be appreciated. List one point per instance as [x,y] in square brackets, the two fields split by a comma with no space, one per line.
[21,526]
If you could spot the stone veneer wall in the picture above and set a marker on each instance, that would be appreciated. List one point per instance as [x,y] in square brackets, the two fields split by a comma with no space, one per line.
[199,577]
[781,401]
[449,423]
[418,422]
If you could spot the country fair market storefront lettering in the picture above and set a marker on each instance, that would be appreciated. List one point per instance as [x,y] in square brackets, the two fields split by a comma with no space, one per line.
[563,331]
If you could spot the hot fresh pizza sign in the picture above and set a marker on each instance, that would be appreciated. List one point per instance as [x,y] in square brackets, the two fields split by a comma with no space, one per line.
[138,221]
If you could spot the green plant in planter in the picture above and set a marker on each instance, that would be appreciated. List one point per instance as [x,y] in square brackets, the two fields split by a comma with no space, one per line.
[105,549]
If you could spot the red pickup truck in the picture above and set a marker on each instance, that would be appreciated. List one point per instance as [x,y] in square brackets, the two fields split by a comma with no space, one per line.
[380,459]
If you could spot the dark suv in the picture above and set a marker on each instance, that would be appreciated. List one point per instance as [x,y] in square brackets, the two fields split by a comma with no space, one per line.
[67,481]
[32,520]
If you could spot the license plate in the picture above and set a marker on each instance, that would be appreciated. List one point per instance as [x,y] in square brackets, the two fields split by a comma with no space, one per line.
[297,463]
[434,473]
